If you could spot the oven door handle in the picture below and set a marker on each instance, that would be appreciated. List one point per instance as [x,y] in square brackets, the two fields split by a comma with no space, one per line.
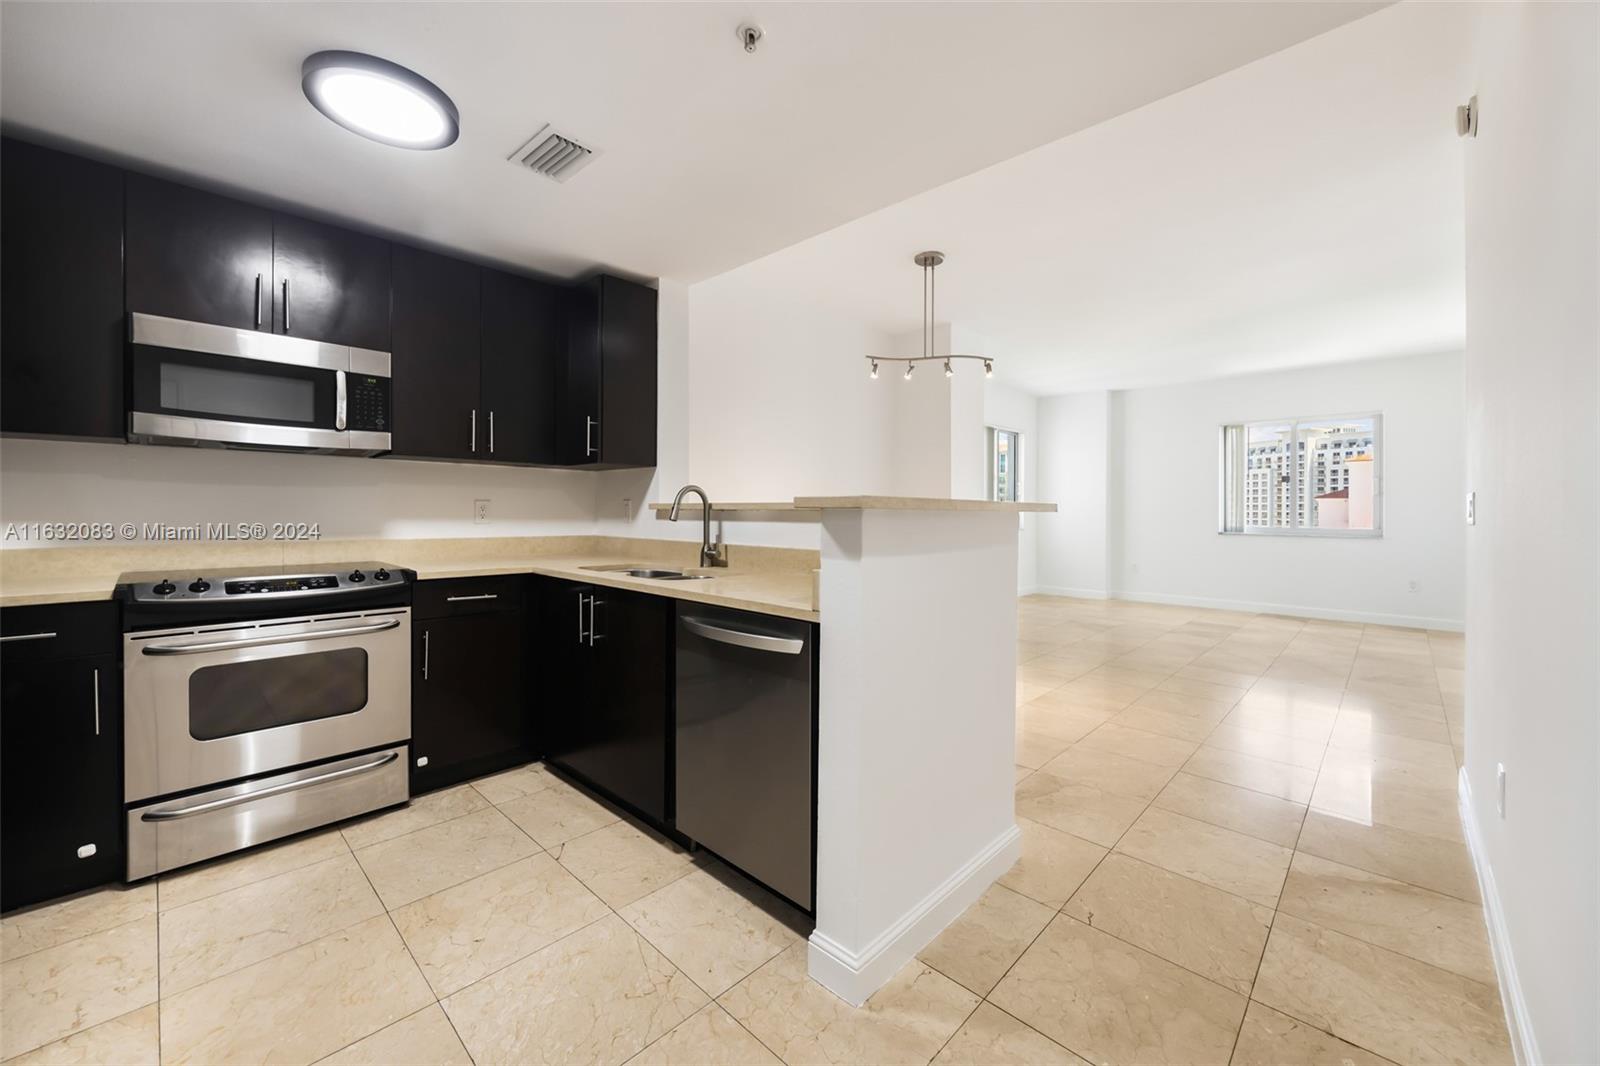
[203,646]
[169,814]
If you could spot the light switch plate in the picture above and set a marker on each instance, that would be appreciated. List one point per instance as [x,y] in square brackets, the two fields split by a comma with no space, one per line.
[1472,508]
[480,512]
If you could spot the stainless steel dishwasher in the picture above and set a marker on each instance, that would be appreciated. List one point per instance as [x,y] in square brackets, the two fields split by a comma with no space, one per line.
[746,742]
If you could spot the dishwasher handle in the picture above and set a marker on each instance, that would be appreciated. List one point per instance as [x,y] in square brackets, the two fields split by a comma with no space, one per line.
[743,639]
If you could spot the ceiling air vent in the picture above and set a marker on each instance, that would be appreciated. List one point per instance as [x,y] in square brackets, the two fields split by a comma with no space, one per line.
[553,155]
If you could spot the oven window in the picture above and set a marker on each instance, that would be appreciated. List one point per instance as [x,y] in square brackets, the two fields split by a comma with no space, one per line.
[237,394]
[235,698]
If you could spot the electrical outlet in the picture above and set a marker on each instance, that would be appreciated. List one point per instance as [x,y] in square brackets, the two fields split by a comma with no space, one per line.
[1413,586]
[1500,788]
[1472,508]
[627,508]
[480,512]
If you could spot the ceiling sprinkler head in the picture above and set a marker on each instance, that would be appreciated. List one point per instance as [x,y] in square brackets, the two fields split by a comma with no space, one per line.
[874,370]
[988,368]
[909,368]
[749,35]
[949,371]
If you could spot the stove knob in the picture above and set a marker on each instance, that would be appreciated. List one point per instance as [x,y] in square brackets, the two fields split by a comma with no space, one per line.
[199,584]
[164,587]
[380,574]
[357,576]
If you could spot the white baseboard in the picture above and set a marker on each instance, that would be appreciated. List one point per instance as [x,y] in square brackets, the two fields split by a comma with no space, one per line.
[1078,594]
[1518,1022]
[1328,614]
[854,976]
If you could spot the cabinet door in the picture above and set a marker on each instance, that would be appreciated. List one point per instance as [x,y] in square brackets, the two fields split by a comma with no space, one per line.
[197,256]
[469,712]
[579,433]
[564,667]
[521,344]
[61,286]
[628,756]
[329,284]
[627,373]
[435,350]
[60,778]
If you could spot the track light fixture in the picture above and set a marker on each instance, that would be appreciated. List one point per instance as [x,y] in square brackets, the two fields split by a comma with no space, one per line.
[928,261]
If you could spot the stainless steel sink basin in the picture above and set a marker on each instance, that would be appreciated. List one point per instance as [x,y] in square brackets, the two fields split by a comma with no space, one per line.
[655,573]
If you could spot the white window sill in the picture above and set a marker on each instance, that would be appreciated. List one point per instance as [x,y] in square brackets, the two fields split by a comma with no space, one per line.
[1332,534]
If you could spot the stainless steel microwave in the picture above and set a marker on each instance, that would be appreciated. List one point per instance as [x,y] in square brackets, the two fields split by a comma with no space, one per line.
[195,383]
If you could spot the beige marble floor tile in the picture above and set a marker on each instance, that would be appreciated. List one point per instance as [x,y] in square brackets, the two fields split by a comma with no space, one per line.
[1428,926]
[1311,725]
[622,862]
[905,1021]
[420,813]
[1272,1038]
[134,1039]
[1081,810]
[1047,718]
[1214,674]
[709,1037]
[1166,723]
[419,864]
[299,1006]
[469,930]
[555,815]
[1204,852]
[72,986]
[1355,722]
[1188,704]
[1213,933]
[425,1038]
[1118,739]
[1429,753]
[1225,695]
[1416,858]
[600,995]
[24,932]
[1100,693]
[1293,783]
[977,948]
[1112,1002]
[714,925]
[1053,864]
[1389,691]
[1400,1008]
[1244,811]
[1034,749]
[1365,793]
[1114,773]
[229,931]
[1274,746]
[219,875]
[991,1037]
[519,781]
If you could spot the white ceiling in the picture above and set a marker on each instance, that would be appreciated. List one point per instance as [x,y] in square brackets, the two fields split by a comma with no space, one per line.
[708,158]
[1304,209]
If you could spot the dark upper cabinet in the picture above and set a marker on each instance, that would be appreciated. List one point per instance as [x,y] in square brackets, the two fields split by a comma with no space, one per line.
[520,351]
[608,401]
[435,358]
[197,256]
[329,284]
[60,752]
[469,697]
[61,333]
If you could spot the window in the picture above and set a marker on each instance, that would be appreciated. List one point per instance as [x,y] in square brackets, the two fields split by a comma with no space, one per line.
[1312,476]
[1005,465]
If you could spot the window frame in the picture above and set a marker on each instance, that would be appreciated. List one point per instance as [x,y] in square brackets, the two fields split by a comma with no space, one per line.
[1232,488]
[992,459]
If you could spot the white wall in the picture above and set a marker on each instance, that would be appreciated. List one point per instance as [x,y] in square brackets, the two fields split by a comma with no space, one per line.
[1152,471]
[1010,408]
[1072,459]
[1533,636]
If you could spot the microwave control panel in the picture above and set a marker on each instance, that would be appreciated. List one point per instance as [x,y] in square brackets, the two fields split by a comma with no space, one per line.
[367,403]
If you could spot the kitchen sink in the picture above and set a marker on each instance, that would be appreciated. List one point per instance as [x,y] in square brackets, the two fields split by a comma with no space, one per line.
[634,570]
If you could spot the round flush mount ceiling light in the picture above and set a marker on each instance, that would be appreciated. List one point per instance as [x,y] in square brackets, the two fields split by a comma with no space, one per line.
[380,100]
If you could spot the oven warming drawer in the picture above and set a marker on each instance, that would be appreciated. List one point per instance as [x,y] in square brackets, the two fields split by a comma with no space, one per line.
[176,832]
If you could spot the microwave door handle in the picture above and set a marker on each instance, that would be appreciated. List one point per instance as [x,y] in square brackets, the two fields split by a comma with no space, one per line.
[258,301]
[286,305]
[199,647]
[339,398]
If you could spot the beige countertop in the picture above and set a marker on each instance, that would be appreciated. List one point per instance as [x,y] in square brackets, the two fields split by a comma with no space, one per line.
[773,581]
[855,503]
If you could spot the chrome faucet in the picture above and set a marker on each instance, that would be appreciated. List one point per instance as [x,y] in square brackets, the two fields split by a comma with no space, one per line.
[710,554]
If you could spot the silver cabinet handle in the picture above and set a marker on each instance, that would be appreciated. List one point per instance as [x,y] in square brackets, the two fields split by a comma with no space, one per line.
[740,638]
[582,636]
[258,301]
[425,654]
[27,636]
[593,636]
[480,596]
[286,305]
[172,813]
[340,399]
[589,426]
[97,701]
[474,429]
[491,432]
[199,647]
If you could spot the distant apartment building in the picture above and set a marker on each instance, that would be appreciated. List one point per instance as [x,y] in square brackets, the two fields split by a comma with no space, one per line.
[1334,463]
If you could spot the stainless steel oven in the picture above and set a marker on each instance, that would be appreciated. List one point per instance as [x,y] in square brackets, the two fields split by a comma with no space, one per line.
[267,704]
[195,383]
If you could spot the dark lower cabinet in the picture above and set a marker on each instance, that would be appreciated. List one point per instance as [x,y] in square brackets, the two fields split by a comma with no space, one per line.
[470,709]
[62,331]
[60,752]
[607,714]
